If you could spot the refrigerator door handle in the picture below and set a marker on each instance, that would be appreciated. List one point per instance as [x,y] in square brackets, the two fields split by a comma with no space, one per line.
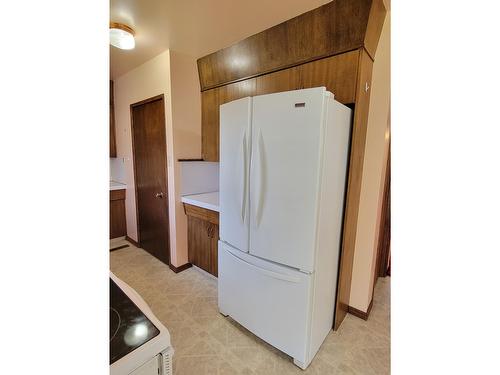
[244,176]
[261,176]
[274,275]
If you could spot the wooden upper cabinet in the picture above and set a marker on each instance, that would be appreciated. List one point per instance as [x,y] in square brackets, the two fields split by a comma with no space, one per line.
[337,73]
[210,125]
[236,90]
[283,80]
[210,102]
[336,27]
[112,135]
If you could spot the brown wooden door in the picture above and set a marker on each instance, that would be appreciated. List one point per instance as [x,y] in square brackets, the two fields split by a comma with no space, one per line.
[150,168]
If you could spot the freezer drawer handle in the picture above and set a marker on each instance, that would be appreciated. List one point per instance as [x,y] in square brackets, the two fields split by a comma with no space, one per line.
[274,275]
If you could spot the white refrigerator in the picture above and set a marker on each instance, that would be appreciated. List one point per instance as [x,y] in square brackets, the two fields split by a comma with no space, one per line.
[283,164]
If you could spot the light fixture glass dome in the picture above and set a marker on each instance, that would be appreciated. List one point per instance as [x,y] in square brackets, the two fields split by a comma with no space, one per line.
[121,36]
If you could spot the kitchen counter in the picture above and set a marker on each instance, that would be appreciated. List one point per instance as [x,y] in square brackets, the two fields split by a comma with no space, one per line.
[210,201]
[113,185]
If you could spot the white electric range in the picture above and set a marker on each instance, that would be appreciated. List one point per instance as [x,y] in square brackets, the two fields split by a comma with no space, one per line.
[139,344]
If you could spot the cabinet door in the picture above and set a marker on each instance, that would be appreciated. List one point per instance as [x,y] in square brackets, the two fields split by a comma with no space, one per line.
[283,80]
[117,221]
[210,102]
[210,125]
[336,73]
[199,242]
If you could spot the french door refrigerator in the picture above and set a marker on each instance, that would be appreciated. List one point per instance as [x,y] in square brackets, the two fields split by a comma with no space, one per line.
[283,162]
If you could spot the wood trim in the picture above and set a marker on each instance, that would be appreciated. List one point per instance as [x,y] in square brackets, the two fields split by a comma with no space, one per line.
[201,213]
[361,314]
[149,100]
[180,268]
[121,26]
[133,242]
[383,253]
[374,27]
[190,160]
[289,66]
[119,247]
[355,173]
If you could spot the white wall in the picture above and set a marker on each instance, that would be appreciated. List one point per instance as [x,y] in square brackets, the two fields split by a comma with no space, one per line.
[199,177]
[176,77]
[372,185]
[186,118]
[117,170]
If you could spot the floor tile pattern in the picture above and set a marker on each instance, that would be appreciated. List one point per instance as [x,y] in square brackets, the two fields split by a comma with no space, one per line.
[207,343]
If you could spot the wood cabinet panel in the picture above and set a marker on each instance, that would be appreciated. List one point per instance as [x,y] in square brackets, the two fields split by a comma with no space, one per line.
[333,28]
[358,140]
[210,125]
[210,102]
[337,73]
[117,220]
[202,213]
[236,90]
[203,236]
[112,132]
[283,80]
[214,250]
[115,195]
[199,243]
[374,27]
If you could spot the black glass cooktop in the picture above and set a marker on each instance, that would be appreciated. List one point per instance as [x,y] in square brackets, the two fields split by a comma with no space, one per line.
[129,328]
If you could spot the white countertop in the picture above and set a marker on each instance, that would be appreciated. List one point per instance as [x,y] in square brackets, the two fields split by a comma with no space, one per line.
[113,185]
[210,201]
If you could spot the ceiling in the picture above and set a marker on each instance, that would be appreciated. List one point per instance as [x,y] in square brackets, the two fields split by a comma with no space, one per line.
[194,27]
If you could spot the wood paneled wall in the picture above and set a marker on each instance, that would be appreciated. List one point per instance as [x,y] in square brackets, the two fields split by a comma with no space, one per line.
[358,140]
[332,46]
[337,73]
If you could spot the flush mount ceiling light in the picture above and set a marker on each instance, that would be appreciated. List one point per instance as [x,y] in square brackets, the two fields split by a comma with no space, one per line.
[121,36]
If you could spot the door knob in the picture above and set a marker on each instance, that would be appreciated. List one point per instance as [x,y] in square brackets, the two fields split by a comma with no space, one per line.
[159,195]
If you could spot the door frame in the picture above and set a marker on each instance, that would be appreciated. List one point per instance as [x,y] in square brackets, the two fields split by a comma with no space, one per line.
[383,253]
[132,106]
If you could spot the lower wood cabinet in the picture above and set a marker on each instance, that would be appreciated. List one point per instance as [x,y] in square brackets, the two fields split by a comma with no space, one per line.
[203,234]
[117,222]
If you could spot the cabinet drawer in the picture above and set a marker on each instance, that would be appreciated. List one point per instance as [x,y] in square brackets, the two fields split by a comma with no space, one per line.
[201,213]
[115,195]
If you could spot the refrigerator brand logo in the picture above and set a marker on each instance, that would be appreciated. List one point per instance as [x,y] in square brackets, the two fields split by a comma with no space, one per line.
[299,105]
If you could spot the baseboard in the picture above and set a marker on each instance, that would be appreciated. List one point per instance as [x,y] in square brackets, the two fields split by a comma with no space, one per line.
[119,247]
[361,314]
[180,268]
[133,242]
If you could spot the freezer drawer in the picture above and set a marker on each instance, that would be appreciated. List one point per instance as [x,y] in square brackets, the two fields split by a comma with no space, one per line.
[270,300]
